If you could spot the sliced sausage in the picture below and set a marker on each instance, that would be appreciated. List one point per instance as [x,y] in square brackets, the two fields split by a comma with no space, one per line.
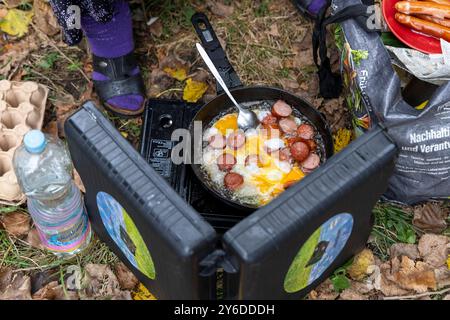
[269,120]
[310,163]
[218,141]
[233,181]
[285,154]
[287,125]
[281,109]
[226,162]
[236,139]
[299,151]
[305,131]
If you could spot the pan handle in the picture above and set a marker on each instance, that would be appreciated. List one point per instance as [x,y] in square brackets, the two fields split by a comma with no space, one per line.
[215,51]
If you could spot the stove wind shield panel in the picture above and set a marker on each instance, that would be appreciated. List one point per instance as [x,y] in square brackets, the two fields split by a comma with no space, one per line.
[280,251]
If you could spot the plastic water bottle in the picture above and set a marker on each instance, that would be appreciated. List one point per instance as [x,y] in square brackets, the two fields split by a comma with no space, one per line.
[44,170]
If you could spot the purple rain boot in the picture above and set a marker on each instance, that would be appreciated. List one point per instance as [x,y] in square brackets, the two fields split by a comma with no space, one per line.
[117,79]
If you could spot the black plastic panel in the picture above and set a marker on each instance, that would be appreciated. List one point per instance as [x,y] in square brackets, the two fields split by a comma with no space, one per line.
[264,244]
[177,237]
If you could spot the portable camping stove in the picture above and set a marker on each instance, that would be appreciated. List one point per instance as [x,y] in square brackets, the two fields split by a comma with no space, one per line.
[161,118]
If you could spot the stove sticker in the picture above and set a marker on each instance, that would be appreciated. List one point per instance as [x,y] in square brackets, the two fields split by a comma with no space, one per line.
[318,252]
[160,151]
[123,231]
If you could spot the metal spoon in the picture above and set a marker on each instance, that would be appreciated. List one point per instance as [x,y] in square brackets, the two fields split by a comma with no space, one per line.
[247,119]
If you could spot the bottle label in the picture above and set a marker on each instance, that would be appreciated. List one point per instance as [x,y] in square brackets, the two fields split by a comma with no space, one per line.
[67,237]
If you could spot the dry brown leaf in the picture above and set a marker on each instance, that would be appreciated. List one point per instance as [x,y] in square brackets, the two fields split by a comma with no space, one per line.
[78,182]
[442,275]
[430,217]
[404,249]
[63,110]
[19,288]
[101,282]
[126,278]
[51,128]
[351,294]
[15,52]
[325,291]
[274,30]
[156,28]
[433,249]
[358,269]
[16,224]
[34,240]
[220,9]
[159,81]
[15,3]
[388,286]
[54,291]
[410,275]
[5,278]
[44,18]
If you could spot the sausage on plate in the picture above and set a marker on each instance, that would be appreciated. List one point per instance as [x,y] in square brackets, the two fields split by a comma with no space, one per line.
[423,26]
[218,141]
[305,131]
[442,22]
[288,125]
[423,7]
[310,163]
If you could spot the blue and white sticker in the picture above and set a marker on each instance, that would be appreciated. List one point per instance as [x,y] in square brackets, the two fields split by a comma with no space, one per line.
[318,252]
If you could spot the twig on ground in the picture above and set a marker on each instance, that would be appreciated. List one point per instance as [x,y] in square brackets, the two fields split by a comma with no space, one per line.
[419,295]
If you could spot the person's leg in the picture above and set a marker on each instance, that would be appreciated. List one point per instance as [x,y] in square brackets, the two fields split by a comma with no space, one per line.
[113,39]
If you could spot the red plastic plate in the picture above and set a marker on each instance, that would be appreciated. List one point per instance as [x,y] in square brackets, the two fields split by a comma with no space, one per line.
[411,38]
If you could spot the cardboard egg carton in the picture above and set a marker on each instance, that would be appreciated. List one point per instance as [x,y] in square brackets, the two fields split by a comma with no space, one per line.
[22,108]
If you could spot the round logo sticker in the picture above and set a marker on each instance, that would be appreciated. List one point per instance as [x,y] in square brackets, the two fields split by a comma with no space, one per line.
[318,252]
[123,231]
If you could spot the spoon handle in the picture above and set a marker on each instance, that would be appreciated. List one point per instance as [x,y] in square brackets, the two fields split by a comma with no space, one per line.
[215,73]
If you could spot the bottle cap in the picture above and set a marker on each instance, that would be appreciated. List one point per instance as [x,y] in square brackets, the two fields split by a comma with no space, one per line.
[34,141]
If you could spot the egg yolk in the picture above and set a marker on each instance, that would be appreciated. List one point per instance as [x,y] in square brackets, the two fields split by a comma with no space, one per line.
[227,123]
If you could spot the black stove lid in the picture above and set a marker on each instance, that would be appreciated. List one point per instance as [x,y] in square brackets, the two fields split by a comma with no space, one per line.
[136,212]
[289,246]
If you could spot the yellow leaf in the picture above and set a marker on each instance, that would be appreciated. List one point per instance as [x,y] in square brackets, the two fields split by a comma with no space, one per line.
[142,293]
[16,22]
[194,90]
[178,73]
[341,139]
[124,134]
[358,269]
[448,262]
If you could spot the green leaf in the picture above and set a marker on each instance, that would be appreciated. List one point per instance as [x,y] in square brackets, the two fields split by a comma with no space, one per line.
[340,282]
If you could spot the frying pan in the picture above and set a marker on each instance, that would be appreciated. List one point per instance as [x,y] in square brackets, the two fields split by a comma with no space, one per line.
[243,95]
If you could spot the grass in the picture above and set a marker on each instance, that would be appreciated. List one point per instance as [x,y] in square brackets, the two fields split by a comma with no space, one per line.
[393,224]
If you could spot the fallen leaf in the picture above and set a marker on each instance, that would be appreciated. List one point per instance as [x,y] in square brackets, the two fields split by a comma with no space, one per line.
[358,269]
[55,291]
[404,249]
[34,240]
[16,223]
[16,22]
[126,278]
[430,217]
[194,90]
[101,282]
[220,9]
[159,81]
[15,52]
[156,28]
[63,110]
[142,293]
[341,139]
[77,181]
[388,285]
[44,17]
[51,128]
[325,291]
[15,3]
[433,249]
[442,275]
[180,74]
[274,30]
[5,278]
[351,294]
[410,275]
[19,288]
